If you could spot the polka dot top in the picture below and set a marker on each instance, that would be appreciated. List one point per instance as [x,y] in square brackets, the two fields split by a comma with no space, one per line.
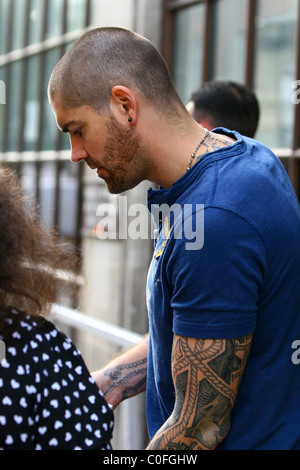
[48,400]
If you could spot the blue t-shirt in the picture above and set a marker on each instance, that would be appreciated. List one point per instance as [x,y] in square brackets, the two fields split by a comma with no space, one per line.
[240,274]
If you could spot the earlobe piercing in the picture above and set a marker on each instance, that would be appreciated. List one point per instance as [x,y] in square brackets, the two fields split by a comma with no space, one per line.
[130,119]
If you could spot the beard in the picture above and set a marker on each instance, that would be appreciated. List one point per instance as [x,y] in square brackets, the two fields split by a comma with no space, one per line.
[126,159]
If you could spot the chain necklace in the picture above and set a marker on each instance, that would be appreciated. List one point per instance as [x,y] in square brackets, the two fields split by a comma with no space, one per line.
[201,142]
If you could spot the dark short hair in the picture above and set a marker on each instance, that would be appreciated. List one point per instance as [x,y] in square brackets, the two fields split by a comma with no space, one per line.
[228,104]
[105,57]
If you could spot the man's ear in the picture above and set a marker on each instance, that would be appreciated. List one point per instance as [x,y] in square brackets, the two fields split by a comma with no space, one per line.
[123,104]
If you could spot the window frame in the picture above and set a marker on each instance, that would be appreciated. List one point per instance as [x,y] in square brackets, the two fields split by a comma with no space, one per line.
[38,156]
[289,156]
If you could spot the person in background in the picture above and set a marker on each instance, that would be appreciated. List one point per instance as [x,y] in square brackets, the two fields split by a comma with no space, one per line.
[223,293]
[48,399]
[225,104]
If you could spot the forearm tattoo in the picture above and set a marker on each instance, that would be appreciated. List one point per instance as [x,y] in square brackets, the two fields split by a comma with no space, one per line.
[131,378]
[206,375]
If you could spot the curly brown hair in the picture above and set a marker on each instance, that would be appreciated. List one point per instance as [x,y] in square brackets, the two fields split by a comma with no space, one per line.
[31,255]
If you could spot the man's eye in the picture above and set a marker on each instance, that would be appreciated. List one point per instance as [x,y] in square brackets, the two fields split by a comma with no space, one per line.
[77,132]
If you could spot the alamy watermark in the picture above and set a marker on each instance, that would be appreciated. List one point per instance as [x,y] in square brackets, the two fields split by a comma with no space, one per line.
[2,350]
[122,221]
[2,92]
[296,94]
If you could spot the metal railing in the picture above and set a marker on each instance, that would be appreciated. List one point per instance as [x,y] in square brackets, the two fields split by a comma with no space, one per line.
[117,335]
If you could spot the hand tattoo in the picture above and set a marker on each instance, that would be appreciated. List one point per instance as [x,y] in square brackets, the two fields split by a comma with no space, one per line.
[131,378]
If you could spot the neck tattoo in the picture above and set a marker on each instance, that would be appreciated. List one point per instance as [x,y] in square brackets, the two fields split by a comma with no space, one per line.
[201,142]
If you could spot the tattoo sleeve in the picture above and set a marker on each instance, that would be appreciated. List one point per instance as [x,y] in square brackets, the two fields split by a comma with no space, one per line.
[206,375]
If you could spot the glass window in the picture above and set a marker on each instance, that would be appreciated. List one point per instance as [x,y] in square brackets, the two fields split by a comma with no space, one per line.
[68,193]
[64,141]
[64,138]
[50,130]
[68,186]
[76,15]
[47,188]
[35,20]
[275,59]
[55,19]
[19,21]
[3,25]
[188,30]
[25,120]
[229,39]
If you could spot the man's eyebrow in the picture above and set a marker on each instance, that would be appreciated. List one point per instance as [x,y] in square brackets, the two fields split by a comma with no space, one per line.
[65,127]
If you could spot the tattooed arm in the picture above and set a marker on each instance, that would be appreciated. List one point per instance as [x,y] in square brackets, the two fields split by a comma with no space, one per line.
[206,375]
[125,376]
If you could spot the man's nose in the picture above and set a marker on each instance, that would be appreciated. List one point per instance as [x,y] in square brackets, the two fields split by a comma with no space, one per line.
[78,152]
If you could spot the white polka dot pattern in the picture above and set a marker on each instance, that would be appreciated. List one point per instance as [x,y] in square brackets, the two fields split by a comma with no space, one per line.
[48,400]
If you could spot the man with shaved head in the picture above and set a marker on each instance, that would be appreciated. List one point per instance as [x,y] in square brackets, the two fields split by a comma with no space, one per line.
[223,293]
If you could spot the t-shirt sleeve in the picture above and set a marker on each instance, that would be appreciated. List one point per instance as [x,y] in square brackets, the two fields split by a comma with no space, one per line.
[216,287]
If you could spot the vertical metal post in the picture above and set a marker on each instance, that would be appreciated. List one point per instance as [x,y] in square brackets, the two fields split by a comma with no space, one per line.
[207,52]
[249,72]
[24,63]
[7,74]
[166,46]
